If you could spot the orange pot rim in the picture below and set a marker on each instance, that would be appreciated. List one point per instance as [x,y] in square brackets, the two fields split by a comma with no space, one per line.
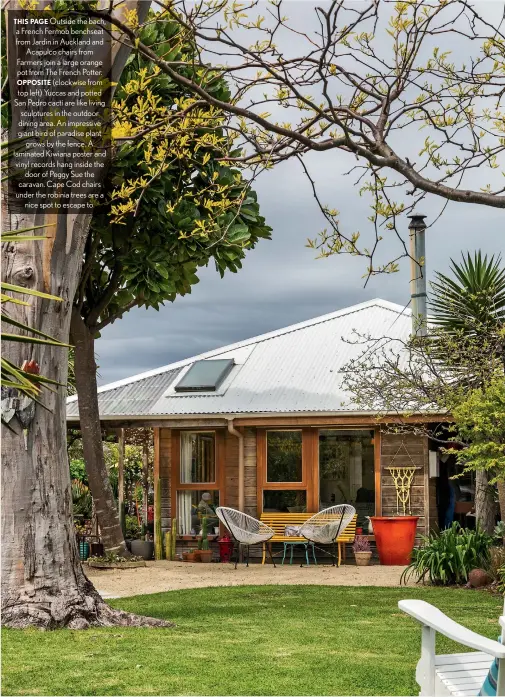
[394,519]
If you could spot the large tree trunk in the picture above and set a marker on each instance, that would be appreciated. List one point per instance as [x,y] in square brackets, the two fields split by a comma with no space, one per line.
[120,478]
[43,584]
[485,507]
[98,476]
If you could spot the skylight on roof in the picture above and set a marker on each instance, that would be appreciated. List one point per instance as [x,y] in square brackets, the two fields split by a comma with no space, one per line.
[205,376]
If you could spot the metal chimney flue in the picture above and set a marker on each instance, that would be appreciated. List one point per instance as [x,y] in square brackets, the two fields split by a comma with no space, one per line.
[418,297]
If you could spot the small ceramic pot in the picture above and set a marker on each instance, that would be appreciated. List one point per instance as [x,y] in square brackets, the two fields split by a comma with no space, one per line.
[363,558]
[206,556]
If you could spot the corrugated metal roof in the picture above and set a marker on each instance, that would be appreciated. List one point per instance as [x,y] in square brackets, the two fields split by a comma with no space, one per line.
[135,398]
[295,369]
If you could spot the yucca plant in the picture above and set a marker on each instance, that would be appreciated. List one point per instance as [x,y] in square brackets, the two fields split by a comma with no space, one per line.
[468,313]
[473,300]
[447,557]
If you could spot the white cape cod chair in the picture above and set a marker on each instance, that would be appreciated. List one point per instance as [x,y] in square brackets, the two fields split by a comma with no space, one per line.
[244,529]
[458,674]
[325,527]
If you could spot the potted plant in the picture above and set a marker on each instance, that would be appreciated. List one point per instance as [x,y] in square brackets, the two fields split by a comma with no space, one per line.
[143,547]
[191,555]
[362,551]
[132,530]
[203,544]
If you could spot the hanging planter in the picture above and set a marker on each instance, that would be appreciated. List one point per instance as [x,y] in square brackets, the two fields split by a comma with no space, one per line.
[395,535]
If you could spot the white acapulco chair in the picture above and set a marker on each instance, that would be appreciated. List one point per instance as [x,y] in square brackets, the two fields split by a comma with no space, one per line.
[325,527]
[244,529]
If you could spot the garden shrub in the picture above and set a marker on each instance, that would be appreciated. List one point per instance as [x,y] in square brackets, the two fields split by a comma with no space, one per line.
[132,527]
[81,499]
[448,557]
[496,561]
[500,579]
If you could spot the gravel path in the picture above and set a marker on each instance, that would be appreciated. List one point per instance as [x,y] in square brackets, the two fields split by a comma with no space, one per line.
[162,576]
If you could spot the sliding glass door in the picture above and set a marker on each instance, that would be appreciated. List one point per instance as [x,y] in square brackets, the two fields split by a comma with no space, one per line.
[346,471]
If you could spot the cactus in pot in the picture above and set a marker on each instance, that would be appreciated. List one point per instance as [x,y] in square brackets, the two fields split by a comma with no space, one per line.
[174,538]
[168,545]
[203,544]
[158,535]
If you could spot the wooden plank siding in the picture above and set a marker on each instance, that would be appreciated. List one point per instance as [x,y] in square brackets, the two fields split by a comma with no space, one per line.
[165,475]
[432,498]
[250,464]
[417,449]
[231,471]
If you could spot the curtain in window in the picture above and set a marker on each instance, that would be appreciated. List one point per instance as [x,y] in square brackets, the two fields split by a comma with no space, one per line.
[186,457]
[184,512]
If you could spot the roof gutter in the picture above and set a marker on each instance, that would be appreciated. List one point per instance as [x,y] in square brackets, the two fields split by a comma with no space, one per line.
[241,467]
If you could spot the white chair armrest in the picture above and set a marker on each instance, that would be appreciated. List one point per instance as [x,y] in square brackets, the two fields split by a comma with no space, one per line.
[431,616]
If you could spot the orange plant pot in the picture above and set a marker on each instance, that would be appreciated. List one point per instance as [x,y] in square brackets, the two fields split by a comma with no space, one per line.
[395,538]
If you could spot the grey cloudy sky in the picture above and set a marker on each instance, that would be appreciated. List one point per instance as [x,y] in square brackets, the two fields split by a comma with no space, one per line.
[281,281]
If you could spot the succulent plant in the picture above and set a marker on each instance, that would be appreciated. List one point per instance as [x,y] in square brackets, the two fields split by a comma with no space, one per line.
[205,539]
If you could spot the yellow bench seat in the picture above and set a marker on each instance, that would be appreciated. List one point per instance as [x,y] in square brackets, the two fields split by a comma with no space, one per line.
[279,521]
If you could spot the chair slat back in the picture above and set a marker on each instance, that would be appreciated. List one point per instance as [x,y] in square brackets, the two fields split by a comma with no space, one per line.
[278,522]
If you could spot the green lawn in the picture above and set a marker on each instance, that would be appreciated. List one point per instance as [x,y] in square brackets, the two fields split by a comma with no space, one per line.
[252,640]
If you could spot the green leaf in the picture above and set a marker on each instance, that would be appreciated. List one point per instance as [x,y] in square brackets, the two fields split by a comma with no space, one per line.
[29,291]
[32,340]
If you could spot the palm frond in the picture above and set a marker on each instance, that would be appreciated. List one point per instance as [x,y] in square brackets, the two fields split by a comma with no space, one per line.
[473,298]
[32,340]
[13,235]
[9,320]
[29,291]
[12,377]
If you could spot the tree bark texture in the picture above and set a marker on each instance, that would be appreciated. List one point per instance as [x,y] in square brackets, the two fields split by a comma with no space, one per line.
[485,506]
[43,583]
[98,476]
